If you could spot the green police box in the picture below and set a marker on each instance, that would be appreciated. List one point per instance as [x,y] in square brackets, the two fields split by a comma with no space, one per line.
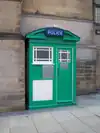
[51,68]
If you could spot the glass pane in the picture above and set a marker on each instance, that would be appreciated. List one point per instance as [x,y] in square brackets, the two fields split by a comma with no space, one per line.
[97,15]
[63,55]
[43,54]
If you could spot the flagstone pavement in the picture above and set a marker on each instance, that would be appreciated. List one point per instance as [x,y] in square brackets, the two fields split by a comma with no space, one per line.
[82,118]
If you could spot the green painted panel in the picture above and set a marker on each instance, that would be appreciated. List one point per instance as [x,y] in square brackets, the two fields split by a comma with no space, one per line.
[74,74]
[36,73]
[64,80]
[65,76]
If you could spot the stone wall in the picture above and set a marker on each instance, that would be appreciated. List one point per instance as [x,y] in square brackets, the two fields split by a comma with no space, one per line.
[81,9]
[86,77]
[86,71]
[12,57]
[83,29]
[12,75]
[10,13]
[98,68]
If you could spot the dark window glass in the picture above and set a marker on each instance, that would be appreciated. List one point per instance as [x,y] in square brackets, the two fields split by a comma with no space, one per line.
[63,55]
[43,54]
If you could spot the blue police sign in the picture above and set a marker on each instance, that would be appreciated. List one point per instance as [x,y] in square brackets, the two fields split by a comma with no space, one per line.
[54,32]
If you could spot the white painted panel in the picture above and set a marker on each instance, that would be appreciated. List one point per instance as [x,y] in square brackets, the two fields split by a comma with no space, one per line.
[42,90]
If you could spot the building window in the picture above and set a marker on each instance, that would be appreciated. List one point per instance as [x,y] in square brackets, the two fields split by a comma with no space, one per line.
[97,11]
[97,15]
[64,56]
[42,55]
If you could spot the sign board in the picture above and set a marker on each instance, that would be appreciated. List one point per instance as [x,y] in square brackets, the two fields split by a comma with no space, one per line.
[54,32]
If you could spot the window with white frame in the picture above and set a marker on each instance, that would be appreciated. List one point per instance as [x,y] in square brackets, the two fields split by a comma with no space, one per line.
[97,14]
[42,55]
[64,56]
[96,4]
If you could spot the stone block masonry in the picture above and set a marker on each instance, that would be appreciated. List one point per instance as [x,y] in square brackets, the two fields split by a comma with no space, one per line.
[79,9]
[10,15]
[86,70]
[86,77]
[12,75]
[98,69]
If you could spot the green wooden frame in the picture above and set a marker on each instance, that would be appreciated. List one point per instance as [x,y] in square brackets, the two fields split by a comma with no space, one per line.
[38,38]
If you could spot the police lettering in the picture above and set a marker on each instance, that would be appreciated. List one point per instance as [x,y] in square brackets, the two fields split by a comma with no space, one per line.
[55,32]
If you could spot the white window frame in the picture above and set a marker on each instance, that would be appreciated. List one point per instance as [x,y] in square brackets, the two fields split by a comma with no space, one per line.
[46,62]
[68,56]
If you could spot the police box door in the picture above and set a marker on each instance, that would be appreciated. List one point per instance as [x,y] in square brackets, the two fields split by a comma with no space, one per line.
[64,75]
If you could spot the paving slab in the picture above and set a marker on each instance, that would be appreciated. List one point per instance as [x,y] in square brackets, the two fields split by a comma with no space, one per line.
[73,119]
[94,109]
[76,126]
[4,130]
[4,125]
[93,122]
[79,112]
[88,100]
[45,123]
[20,124]
[62,115]
[22,129]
